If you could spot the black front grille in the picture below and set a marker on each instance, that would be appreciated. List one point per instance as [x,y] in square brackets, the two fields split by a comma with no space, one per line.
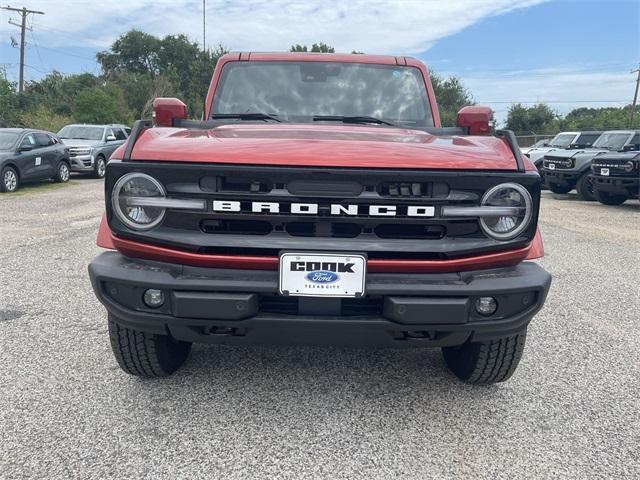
[616,169]
[558,162]
[383,213]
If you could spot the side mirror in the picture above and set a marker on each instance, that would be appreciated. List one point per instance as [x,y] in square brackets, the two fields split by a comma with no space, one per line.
[476,119]
[631,147]
[111,138]
[25,148]
[167,110]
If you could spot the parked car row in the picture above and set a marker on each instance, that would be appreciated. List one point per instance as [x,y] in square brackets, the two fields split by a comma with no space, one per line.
[608,170]
[29,155]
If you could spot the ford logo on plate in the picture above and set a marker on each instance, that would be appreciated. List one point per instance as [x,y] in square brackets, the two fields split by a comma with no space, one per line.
[321,276]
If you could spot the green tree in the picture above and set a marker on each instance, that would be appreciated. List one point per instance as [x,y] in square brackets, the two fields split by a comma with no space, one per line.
[43,117]
[315,48]
[451,96]
[173,64]
[8,102]
[601,118]
[101,105]
[538,118]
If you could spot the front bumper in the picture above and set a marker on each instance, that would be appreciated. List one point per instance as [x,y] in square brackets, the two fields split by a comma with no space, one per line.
[82,163]
[567,178]
[242,306]
[629,186]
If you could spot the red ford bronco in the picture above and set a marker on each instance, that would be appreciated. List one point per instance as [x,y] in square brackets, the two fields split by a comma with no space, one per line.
[320,201]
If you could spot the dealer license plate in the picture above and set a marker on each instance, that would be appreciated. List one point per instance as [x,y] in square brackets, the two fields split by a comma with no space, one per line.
[604,171]
[322,275]
[552,166]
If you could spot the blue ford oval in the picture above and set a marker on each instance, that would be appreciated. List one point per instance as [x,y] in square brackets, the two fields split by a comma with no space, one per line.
[322,276]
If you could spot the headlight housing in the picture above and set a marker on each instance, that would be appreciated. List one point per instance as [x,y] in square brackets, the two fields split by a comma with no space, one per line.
[507,227]
[629,166]
[133,201]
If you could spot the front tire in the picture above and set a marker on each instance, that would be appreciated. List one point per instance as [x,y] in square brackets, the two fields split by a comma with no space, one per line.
[62,173]
[100,167]
[610,198]
[560,189]
[9,180]
[584,187]
[483,363]
[146,354]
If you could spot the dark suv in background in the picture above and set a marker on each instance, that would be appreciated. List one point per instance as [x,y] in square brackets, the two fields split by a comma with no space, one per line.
[90,146]
[28,155]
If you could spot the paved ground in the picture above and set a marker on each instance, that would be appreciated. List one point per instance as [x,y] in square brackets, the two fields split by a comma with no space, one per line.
[66,410]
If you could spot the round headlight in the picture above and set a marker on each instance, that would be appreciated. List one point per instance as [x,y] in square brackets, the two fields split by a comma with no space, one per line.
[132,201]
[506,227]
[629,166]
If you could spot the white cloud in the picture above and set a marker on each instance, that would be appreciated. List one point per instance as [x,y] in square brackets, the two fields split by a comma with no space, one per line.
[400,26]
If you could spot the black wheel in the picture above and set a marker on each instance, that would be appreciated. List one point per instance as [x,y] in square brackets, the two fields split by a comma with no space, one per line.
[9,180]
[100,167]
[62,173]
[146,354]
[584,187]
[483,363]
[555,188]
[610,198]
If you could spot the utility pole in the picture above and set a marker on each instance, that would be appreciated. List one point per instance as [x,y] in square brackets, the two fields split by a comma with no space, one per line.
[23,27]
[635,96]
[204,25]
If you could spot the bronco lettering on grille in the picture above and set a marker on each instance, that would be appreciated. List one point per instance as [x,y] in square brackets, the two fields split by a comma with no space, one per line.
[333,209]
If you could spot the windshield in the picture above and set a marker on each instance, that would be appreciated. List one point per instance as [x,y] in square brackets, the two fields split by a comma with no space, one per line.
[298,91]
[81,132]
[562,140]
[7,140]
[611,141]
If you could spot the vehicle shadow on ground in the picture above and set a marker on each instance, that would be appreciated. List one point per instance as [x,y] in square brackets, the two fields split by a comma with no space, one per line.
[311,370]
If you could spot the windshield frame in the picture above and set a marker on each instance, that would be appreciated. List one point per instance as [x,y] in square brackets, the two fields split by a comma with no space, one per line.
[325,57]
[574,137]
[92,127]
[629,136]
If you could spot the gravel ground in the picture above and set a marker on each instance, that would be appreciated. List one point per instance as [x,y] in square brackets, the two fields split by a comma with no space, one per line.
[67,411]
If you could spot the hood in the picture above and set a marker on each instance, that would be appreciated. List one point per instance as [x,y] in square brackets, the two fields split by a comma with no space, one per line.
[620,156]
[585,152]
[73,142]
[323,146]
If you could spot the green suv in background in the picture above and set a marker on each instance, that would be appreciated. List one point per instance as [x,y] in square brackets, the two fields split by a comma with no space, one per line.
[90,146]
[565,170]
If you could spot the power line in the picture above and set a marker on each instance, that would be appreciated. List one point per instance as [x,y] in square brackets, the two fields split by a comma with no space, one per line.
[23,27]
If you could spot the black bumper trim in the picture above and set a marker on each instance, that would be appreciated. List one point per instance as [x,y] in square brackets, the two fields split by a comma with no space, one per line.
[223,306]
[619,185]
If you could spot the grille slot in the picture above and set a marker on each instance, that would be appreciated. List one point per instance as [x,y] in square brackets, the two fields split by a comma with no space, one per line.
[397,230]
[349,307]
[243,227]
[414,189]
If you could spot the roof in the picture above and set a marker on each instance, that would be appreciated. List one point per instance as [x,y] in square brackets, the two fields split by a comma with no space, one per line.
[319,57]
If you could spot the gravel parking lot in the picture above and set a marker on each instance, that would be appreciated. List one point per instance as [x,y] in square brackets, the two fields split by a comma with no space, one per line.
[572,409]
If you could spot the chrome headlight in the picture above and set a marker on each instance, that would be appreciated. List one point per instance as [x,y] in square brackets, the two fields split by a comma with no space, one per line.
[135,201]
[517,201]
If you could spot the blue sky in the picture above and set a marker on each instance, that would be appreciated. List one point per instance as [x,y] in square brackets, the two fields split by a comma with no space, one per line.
[568,53]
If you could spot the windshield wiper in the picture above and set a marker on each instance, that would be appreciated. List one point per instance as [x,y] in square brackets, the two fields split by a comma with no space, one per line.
[351,119]
[246,116]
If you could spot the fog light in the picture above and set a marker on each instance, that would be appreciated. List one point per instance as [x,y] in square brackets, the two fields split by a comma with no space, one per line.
[486,306]
[153,298]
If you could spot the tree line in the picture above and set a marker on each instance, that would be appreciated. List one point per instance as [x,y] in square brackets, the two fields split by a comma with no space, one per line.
[542,119]
[139,67]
